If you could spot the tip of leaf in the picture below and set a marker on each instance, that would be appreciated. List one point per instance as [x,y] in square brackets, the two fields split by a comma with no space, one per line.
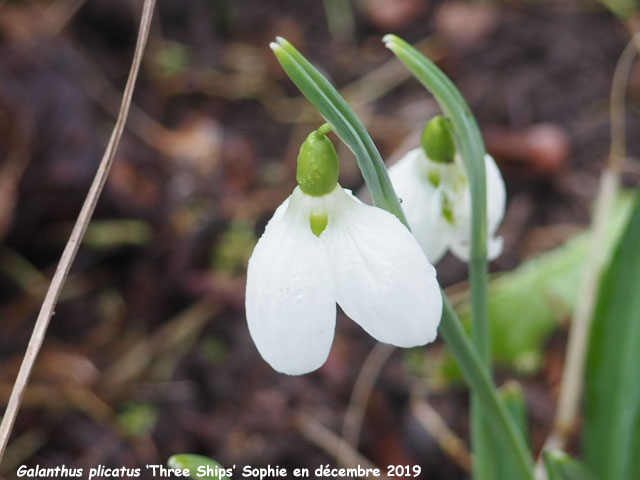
[389,39]
[274,46]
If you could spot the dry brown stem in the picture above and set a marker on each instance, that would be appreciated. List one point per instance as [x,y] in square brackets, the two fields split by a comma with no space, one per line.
[71,248]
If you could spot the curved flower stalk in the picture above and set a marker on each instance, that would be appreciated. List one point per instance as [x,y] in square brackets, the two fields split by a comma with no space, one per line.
[432,183]
[323,246]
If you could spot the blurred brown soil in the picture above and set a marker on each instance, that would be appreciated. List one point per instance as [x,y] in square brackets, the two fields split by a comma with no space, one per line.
[148,353]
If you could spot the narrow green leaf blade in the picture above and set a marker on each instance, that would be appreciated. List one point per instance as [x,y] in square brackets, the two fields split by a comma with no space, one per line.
[513,398]
[477,377]
[198,463]
[561,466]
[488,460]
[343,121]
[612,424]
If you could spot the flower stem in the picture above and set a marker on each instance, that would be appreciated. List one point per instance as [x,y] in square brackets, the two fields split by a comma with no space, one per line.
[476,375]
[469,143]
[323,129]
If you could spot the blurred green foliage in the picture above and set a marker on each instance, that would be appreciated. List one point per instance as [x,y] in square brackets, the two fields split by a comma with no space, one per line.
[193,462]
[106,234]
[214,350]
[612,396]
[172,59]
[512,395]
[232,251]
[528,303]
[137,418]
[622,8]
[561,466]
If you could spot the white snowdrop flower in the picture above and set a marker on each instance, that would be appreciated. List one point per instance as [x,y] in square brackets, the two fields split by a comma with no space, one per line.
[432,183]
[323,246]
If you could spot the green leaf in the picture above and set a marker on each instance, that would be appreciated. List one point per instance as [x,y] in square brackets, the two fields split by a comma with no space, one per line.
[487,459]
[343,122]
[561,466]
[476,375]
[622,8]
[209,468]
[612,424]
[513,399]
[512,396]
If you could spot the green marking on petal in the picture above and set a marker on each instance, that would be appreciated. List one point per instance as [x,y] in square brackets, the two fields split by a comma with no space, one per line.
[447,209]
[433,175]
[318,220]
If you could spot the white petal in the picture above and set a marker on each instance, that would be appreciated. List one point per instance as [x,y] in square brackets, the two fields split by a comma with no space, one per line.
[290,300]
[494,247]
[496,194]
[496,200]
[421,203]
[383,280]
[279,213]
[462,249]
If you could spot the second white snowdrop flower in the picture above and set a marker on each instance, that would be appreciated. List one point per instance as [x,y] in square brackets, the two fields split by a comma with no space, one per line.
[323,246]
[432,183]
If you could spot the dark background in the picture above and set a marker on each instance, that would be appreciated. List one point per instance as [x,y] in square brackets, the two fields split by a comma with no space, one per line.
[148,353]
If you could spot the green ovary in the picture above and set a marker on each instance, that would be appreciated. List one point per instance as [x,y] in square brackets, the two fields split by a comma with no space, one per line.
[437,140]
[317,170]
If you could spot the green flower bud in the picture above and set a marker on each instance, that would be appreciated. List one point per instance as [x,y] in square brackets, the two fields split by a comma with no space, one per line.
[437,141]
[317,172]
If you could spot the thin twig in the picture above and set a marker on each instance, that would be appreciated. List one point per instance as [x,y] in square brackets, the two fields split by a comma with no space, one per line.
[362,388]
[70,250]
[572,378]
[182,328]
[328,441]
[449,442]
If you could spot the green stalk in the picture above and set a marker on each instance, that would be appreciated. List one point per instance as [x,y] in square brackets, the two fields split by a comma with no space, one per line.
[471,147]
[350,130]
[477,377]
